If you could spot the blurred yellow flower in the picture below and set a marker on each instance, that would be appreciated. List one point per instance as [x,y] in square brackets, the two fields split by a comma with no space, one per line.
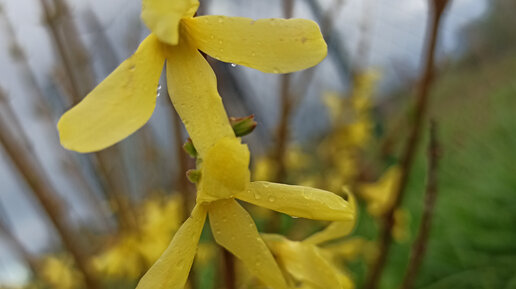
[125,100]
[134,252]
[307,264]
[380,196]
[60,273]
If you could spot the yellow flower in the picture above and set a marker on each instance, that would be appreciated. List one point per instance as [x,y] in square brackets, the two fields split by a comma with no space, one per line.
[125,100]
[307,264]
[60,273]
[134,252]
[380,196]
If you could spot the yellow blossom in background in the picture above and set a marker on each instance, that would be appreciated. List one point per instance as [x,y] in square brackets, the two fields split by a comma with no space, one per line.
[125,100]
[59,272]
[348,250]
[134,252]
[380,196]
[401,229]
[265,168]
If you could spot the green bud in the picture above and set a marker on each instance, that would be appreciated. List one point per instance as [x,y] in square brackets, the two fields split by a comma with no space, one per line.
[189,148]
[194,176]
[243,125]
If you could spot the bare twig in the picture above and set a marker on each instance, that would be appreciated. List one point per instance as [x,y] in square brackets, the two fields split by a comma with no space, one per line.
[419,246]
[229,272]
[17,246]
[45,193]
[407,159]
[282,133]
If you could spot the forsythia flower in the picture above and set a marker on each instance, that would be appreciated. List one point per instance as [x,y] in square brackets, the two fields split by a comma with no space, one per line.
[380,196]
[125,100]
[60,273]
[309,264]
[134,252]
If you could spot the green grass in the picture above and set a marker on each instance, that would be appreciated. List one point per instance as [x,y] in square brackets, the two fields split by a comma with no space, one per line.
[473,238]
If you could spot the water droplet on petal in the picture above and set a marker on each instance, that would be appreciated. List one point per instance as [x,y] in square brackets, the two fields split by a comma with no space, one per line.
[221,19]
[233,65]
[257,195]
[272,199]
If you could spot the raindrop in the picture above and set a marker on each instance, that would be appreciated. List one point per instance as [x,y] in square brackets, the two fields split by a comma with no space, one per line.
[271,199]
[159,90]
[253,54]
[221,19]
[257,195]
[132,68]
[266,185]
[233,65]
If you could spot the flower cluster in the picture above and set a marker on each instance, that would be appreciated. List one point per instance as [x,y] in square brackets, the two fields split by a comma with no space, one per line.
[125,100]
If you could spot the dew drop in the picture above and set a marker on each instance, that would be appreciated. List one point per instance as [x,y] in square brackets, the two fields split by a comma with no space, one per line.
[221,19]
[233,65]
[266,185]
[132,68]
[272,199]
[257,195]
[253,54]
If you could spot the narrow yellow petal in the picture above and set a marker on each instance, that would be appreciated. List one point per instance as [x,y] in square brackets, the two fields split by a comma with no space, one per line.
[304,262]
[224,171]
[119,105]
[337,229]
[193,90]
[297,201]
[235,230]
[172,268]
[269,45]
[162,17]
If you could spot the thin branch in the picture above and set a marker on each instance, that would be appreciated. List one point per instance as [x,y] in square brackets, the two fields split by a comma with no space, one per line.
[407,160]
[419,246]
[37,180]
[282,133]
[229,272]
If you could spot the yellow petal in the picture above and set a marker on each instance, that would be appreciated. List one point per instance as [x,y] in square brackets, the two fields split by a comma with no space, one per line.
[193,90]
[269,45]
[337,229]
[297,201]
[119,105]
[172,268]
[162,17]
[224,171]
[380,196]
[234,229]
[304,262]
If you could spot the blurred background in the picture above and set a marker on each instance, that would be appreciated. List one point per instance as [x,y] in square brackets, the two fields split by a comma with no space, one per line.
[312,129]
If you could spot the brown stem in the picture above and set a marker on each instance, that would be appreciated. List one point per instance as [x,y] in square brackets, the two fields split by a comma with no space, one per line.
[229,266]
[181,180]
[282,132]
[37,180]
[18,247]
[116,189]
[283,128]
[419,246]
[71,166]
[407,159]
[50,18]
